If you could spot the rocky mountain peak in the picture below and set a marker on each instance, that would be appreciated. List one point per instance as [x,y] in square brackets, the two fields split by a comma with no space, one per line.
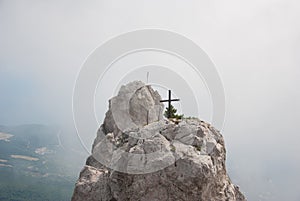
[139,155]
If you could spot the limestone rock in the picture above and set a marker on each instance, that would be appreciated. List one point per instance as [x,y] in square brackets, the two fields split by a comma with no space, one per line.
[135,106]
[147,158]
[92,182]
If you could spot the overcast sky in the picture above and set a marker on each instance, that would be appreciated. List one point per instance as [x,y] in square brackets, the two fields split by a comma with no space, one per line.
[254,44]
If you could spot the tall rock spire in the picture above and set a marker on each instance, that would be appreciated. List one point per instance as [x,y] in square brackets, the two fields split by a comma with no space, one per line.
[138,155]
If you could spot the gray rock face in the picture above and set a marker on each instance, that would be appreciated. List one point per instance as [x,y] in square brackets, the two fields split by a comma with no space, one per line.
[147,158]
[135,106]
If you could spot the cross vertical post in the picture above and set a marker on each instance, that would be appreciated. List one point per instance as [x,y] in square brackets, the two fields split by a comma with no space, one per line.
[169,104]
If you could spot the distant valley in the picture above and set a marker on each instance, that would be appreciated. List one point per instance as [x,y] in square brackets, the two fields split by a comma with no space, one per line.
[36,164]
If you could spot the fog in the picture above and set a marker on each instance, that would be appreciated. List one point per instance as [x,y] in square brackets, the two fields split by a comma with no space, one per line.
[254,44]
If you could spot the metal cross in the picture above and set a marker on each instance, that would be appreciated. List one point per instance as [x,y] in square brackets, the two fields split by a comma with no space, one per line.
[169,103]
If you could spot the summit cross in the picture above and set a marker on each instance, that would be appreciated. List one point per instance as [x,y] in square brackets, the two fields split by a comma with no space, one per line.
[169,100]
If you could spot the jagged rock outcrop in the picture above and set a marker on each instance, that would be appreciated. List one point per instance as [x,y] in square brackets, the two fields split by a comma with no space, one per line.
[139,156]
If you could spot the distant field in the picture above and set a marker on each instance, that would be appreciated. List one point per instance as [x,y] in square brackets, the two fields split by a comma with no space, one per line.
[5,165]
[3,161]
[5,136]
[24,157]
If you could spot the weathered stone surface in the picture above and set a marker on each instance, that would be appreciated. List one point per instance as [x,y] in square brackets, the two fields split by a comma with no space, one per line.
[135,106]
[145,106]
[92,185]
[160,161]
